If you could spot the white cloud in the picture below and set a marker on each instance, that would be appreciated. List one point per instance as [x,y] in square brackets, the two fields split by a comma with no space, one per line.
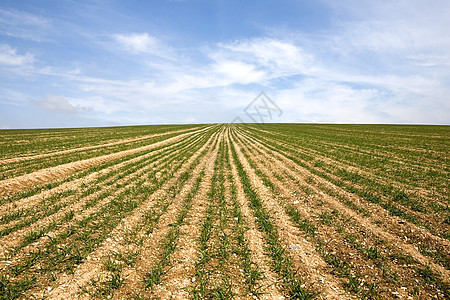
[61,104]
[143,43]
[12,97]
[137,42]
[317,100]
[228,65]
[21,24]
[10,57]
[237,72]
[397,29]
[56,103]
[384,63]
[279,56]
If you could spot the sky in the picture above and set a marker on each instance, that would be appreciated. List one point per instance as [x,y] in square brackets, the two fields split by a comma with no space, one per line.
[72,63]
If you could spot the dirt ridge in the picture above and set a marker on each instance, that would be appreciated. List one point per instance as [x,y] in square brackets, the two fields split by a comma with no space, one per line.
[47,175]
[24,158]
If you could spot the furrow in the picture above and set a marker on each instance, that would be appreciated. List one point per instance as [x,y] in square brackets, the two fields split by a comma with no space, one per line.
[381,178]
[366,222]
[19,201]
[369,268]
[377,213]
[359,151]
[85,236]
[27,167]
[268,285]
[305,258]
[23,158]
[83,207]
[47,175]
[177,268]
[72,286]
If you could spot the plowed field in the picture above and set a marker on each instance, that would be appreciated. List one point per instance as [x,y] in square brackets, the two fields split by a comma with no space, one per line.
[231,211]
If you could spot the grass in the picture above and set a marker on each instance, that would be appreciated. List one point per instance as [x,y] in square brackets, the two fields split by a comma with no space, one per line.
[366,290]
[333,183]
[281,261]
[371,191]
[168,245]
[89,231]
[202,290]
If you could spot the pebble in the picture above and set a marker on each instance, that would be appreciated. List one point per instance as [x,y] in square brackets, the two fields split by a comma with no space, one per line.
[294,247]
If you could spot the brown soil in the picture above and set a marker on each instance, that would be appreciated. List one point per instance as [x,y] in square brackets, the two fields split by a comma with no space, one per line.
[75,184]
[367,222]
[432,220]
[311,206]
[70,286]
[256,243]
[17,159]
[41,177]
[381,178]
[345,227]
[178,278]
[13,239]
[312,267]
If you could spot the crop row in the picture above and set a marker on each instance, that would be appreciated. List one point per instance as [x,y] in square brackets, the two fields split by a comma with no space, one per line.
[407,202]
[79,236]
[309,190]
[15,143]
[235,212]
[21,167]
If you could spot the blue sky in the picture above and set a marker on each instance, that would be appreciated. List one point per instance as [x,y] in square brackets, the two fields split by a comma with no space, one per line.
[101,63]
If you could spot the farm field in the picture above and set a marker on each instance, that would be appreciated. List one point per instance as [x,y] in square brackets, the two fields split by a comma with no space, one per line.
[223,211]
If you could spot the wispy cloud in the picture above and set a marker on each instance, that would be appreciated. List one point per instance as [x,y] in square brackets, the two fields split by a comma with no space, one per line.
[138,43]
[13,97]
[59,103]
[278,57]
[21,24]
[233,72]
[324,92]
[10,57]
[377,62]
